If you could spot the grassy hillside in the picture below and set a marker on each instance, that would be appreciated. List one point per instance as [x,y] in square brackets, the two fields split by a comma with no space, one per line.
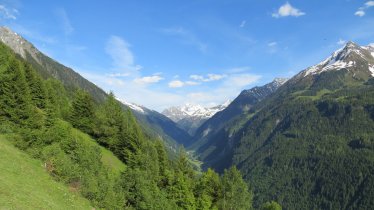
[107,157]
[25,184]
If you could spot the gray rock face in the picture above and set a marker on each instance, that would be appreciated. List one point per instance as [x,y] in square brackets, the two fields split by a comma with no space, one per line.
[351,57]
[17,43]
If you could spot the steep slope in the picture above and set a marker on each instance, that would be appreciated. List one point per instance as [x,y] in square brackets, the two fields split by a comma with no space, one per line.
[46,66]
[212,139]
[311,143]
[27,185]
[49,68]
[191,116]
[160,125]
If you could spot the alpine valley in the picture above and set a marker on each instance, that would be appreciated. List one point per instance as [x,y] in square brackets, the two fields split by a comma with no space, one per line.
[305,142]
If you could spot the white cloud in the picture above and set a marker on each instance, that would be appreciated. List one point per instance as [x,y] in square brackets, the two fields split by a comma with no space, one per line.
[176,84]
[148,79]
[66,24]
[341,42]
[186,37]
[288,10]
[179,83]
[228,89]
[196,77]
[122,57]
[118,75]
[272,44]
[272,47]
[208,77]
[369,4]
[360,13]
[192,83]
[159,98]
[8,13]
[242,24]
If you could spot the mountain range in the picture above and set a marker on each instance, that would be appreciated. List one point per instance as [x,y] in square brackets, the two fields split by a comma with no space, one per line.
[306,142]
[191,116]
[309,143]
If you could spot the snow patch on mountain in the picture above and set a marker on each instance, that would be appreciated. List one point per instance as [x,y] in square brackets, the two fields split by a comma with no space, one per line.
[132,106]
[340,59]
[371,69]
[190,110]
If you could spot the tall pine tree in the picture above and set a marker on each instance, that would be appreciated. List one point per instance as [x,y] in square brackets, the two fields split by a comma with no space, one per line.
[235,194]
[82,113]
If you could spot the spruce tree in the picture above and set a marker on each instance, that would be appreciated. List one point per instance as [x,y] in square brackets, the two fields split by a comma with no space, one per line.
[208,190]
[82,113]
[36,87]
[235,194]
[15,101]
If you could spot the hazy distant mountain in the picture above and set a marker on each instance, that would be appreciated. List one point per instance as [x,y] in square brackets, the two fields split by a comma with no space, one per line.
[190,116]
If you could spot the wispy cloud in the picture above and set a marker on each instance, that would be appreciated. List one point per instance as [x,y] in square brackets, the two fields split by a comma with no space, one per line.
[118,75]
[341,42]
[230,87]
[288,10]
[243,23]
[272,44]
[176,84]
[272,47]
[186,37]
[179,83]
[8,13]
[361,11]
[208,77]
[148,79]
[65,21]
[122,57]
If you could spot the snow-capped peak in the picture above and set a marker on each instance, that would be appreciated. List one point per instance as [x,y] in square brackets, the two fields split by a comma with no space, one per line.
[343,58]
[190,110]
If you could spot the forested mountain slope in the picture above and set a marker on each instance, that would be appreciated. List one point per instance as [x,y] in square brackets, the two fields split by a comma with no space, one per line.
[152,122]
[69,134]
[210,140]
[310,145]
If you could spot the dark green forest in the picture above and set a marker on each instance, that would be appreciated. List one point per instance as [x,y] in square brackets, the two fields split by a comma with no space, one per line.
[47,121]
[312,147]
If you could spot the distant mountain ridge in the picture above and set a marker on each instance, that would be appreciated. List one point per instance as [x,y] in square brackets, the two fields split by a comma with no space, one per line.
[190,116]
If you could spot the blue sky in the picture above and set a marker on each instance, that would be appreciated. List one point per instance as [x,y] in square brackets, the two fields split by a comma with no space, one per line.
[170,52]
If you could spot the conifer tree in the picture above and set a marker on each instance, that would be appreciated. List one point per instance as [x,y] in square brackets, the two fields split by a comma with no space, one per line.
[110,123]
[15,101]
[208,190]
[36,87]
[82,112]
[235,194]
[271,206]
